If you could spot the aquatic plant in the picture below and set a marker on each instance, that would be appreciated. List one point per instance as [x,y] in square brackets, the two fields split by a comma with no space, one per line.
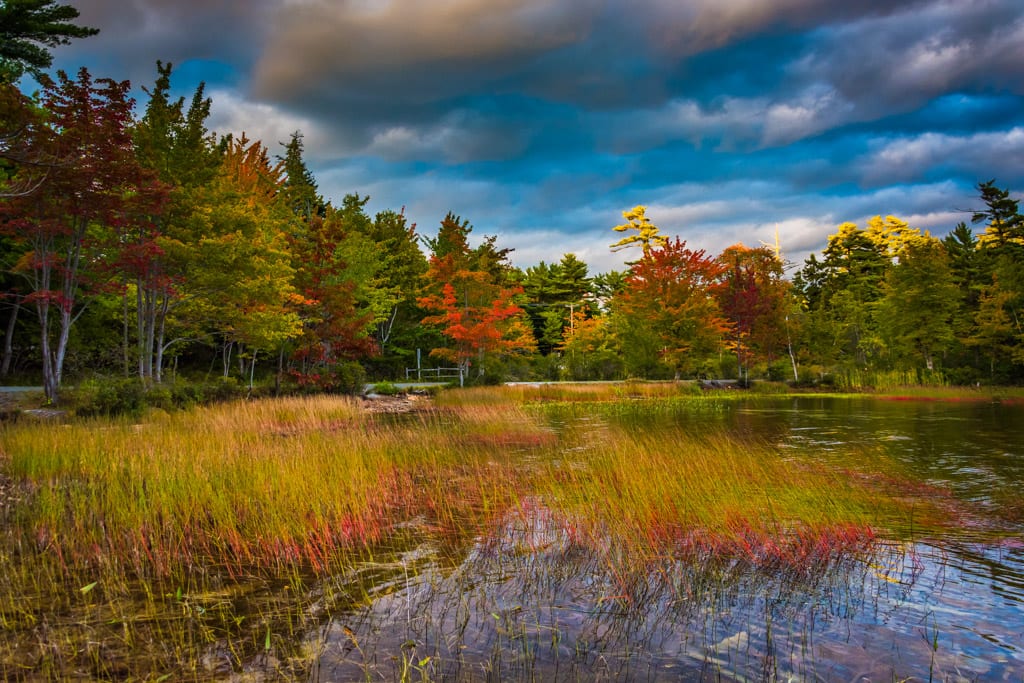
[200,538]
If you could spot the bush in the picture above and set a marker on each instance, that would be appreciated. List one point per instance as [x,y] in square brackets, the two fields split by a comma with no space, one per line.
[386,389]
[348,378]
[780,371]
[769,387]
[223,389]
[107,396]
[341,378]
[185,394]
[160,396]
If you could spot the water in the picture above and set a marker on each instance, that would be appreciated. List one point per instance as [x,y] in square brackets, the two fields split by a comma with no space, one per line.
[526,599]
[525,602]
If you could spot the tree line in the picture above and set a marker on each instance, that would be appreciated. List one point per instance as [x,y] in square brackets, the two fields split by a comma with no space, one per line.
[141,244]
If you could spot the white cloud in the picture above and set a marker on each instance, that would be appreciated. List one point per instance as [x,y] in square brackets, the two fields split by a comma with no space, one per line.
[816,110]
[458,137]
[983,155]
[731,122]
[230,113]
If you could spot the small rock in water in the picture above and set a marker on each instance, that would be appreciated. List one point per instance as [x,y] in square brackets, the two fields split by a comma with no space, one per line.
[736,642]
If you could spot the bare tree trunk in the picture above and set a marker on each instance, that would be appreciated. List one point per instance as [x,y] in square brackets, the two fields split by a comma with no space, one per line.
[125,359]
[252,370]
[227,346]
[50,381]
[140,328]
[384,328]
[5,366]
[792,356]
[280,371]
[158,363]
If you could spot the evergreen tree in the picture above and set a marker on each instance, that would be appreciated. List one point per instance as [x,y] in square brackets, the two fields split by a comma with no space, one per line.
[918,304]
[175,145]
[300,190]
[28,28]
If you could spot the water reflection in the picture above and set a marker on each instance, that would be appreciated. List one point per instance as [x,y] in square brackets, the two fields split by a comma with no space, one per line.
[972,449]
[529,603]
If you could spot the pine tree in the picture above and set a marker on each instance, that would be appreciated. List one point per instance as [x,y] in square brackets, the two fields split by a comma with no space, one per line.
[28,28]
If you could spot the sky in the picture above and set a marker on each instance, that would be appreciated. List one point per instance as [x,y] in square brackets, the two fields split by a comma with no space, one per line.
[541,121]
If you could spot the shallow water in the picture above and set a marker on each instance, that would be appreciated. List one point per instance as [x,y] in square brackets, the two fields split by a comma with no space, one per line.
[949,612]
[524,602]
[526,599]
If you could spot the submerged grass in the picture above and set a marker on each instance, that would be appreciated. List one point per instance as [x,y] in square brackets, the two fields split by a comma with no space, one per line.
[153,534]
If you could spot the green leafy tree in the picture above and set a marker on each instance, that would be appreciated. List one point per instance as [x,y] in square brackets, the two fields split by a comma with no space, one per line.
[1003,244]
[173,143]
[240,281]
[608,285]
[12,296]
[918,303]
[404,265]
[553,294]
[856,265]
[540,294]
[589,350]
[995,332]
[970,269]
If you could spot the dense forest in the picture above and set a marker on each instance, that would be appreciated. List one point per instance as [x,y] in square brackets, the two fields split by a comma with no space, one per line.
[138,244]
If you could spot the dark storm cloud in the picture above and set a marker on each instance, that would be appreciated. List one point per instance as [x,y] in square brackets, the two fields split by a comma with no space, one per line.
[387,67]
[900,61]
[543,119]
[418,77]
[136,33]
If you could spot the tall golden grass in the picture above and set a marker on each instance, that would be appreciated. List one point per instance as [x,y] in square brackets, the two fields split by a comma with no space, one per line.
[301,481]
[160,528]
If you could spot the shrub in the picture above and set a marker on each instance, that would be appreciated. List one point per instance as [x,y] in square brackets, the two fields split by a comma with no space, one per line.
[386,389]
[185,394]
[348,378]
[341,378]
[109,396]
[160,396]
[223,389]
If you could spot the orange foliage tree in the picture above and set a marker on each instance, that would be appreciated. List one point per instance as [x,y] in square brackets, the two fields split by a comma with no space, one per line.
[669,309]
[471,299]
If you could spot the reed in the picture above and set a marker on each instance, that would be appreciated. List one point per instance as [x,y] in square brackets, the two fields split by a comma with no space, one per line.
[673,493]
[299,482]
[212,530]
[575,392]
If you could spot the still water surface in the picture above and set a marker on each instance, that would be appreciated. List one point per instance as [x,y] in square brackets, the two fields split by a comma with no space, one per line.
[525,603]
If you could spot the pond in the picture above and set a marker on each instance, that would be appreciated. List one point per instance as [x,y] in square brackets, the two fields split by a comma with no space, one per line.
[502,542]
[526,603]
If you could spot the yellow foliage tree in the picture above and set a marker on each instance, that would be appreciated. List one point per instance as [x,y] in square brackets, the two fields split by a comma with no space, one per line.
[647,233]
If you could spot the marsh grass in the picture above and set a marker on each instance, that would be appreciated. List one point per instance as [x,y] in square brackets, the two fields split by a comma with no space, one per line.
[201,542]
[576,391]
